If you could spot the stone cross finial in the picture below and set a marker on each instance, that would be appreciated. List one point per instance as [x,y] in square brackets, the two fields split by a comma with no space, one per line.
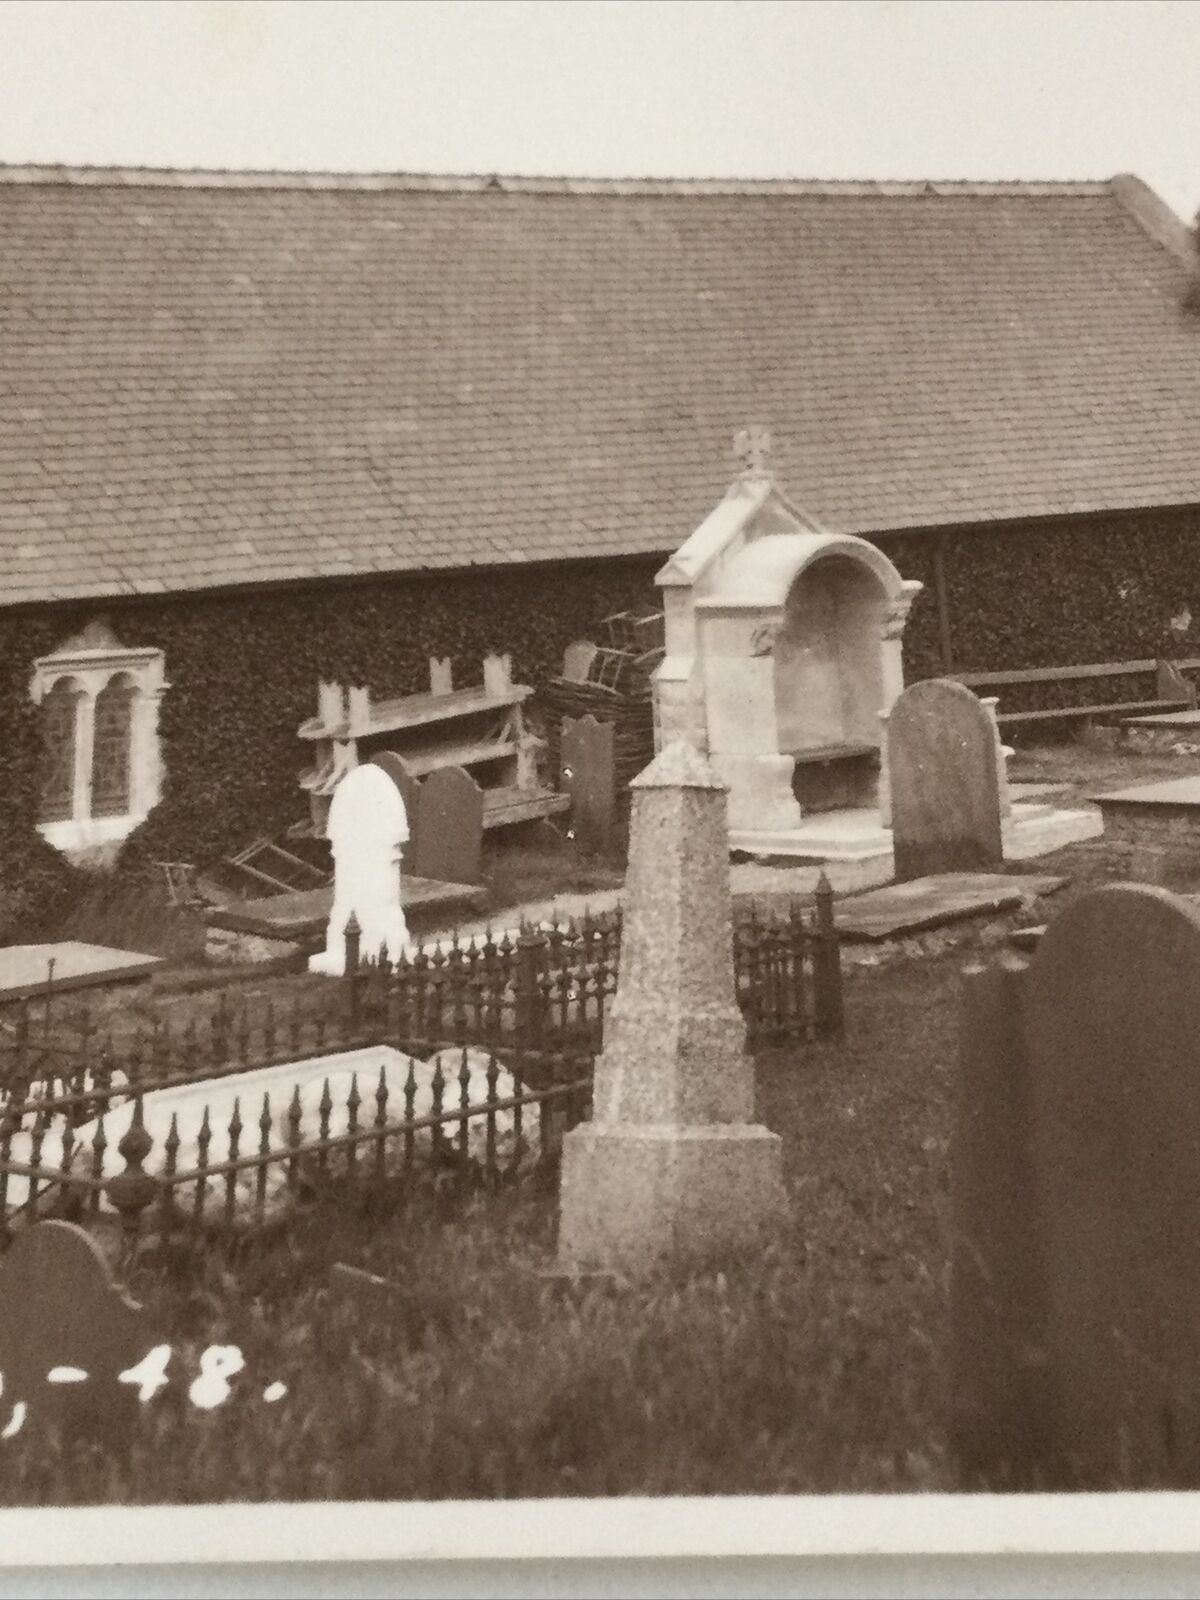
[752,447]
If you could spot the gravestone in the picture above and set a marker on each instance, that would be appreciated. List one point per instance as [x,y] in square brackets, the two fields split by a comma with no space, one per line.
[61,1315]
[577,659]
[398,771]
[448,837]
[1077,1283]
[944,782]
[1113,1010]
[673,1165]
[589,777]
[367,827]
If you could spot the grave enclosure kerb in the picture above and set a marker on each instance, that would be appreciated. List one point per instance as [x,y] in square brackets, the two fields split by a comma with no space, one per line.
[538,991]
[534,1003]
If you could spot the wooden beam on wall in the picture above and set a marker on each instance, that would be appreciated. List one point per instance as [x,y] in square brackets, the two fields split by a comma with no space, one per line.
[943,605]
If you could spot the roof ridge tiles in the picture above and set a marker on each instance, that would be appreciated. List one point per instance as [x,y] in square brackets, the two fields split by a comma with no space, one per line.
[467,183]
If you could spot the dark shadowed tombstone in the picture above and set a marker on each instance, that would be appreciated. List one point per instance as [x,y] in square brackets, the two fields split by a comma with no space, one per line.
[1113,1019]
[1077,1193]
[589,777]
[997,1288]
[397,770]
[449,827]
[67,1332]
[944,777]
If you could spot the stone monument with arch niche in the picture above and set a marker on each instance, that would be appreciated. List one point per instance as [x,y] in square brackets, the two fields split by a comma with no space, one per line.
[783,661]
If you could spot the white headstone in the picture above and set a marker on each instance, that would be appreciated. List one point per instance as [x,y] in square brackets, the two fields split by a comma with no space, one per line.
[367,827]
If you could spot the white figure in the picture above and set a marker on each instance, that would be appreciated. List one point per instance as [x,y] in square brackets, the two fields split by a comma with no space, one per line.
[367,827]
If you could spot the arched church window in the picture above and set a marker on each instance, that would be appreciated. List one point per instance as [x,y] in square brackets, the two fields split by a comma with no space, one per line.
[98,706]
[59,714]
[112,743]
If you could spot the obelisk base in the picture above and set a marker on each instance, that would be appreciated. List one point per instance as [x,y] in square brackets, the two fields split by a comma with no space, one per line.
[633,1197]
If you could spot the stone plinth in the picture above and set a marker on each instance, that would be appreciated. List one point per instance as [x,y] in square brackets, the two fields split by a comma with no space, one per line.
[673,1163]
[636,1196]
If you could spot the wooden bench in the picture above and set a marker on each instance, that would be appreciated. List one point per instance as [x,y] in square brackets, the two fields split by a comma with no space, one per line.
[1173,691]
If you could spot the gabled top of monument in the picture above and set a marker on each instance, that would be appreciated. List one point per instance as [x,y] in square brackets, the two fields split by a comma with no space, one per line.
[754,507]
[679,765]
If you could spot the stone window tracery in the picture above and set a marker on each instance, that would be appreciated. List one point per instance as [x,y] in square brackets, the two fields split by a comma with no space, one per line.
[101,772]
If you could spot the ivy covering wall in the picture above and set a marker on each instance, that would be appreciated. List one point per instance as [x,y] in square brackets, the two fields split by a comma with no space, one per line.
[243,672]
[244,669]
[1065,593]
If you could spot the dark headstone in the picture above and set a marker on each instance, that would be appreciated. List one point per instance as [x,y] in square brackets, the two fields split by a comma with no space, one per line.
[589,776]
[60,1311]
[944,773]
[449,828]
[997,1299]
[1113,1015]
[397,770]
[1077,1187]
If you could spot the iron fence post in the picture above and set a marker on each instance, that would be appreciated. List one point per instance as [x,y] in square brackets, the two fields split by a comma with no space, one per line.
[353,936]
[133,1190]
[531,948]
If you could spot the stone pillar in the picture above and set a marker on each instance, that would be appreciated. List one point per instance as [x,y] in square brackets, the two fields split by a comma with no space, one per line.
[672,1165]
[891,641]
[885,776]
[1003,752]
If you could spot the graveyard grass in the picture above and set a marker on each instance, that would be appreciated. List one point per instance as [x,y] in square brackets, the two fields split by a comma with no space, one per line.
[814,1367]
[818,1366]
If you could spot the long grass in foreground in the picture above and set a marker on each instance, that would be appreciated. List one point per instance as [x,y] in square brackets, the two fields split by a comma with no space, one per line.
[814,1365]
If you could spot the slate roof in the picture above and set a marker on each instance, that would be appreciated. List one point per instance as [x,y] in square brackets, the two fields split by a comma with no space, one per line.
[212,379]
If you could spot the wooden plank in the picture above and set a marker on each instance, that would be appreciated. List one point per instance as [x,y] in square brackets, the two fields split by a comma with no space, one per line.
[418,710]
[413,711]
[1060,713]
[503,807]
[834,752]
[313,874]
[263,877]
[460,755]
[1112,669]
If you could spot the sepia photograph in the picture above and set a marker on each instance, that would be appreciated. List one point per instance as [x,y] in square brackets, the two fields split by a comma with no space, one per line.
[599,780]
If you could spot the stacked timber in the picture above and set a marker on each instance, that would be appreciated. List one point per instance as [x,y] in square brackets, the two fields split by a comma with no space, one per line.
[608,678]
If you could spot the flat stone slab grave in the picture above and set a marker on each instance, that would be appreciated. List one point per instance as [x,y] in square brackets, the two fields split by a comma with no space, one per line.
[303,914]
[1183,793]
[923,903]
[1183,720]
[24,967]
[1168,811]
